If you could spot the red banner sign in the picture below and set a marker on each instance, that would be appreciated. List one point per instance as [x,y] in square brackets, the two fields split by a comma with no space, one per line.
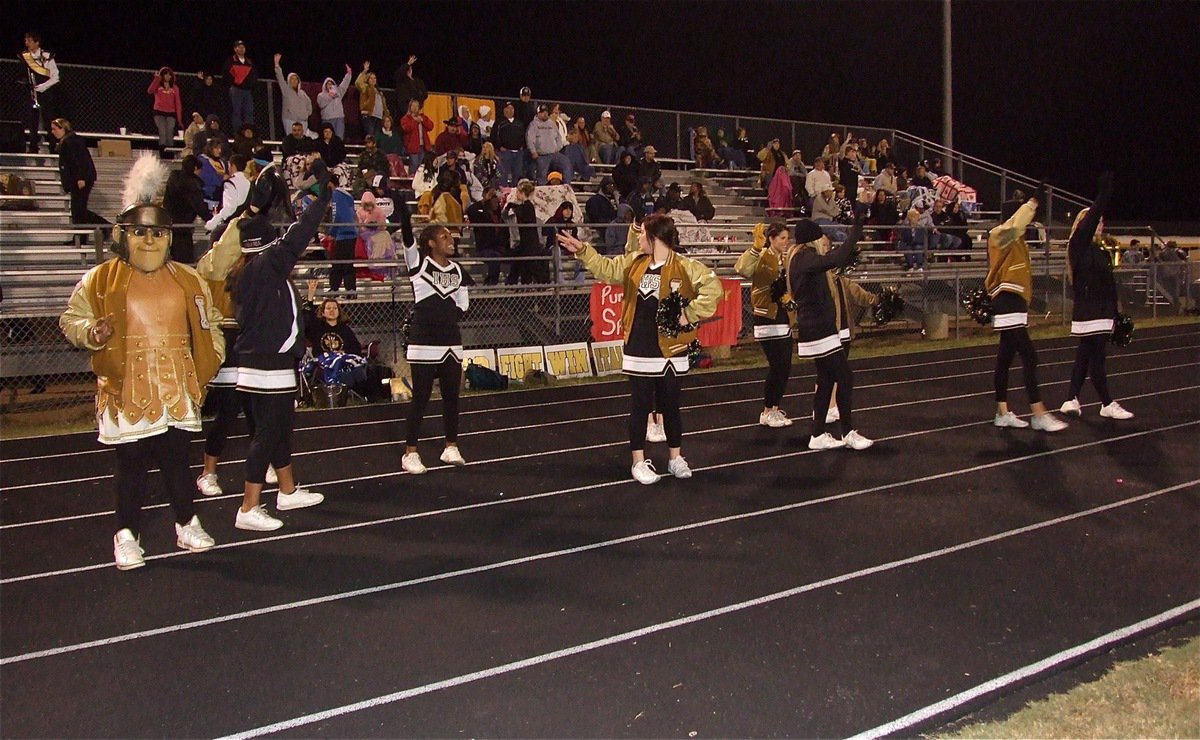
[723,329]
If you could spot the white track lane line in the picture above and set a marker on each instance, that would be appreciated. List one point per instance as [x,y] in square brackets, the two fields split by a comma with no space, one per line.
[447,575]
[543,658]
[601,445]
[506,430]
[1103,642]
[319,427]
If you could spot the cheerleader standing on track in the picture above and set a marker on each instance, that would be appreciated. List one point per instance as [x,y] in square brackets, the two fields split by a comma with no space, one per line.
[1095,304]
[821,322]
[770,298]
[652,360]
[1009,282]
[269,346]
[434,340]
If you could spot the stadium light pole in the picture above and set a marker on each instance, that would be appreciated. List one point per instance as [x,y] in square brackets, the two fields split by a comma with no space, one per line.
[947,85]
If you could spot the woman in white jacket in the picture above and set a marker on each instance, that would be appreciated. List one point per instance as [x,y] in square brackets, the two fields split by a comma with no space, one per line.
[297,106]
[330,101]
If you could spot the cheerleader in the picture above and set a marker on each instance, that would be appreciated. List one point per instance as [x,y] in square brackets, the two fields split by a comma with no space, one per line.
[652,360]
[822,324]
[1009,282]
[1095,304]
[434,339]
[770,299]
[269,346]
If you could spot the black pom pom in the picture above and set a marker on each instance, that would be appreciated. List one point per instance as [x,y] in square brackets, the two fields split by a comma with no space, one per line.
[890,306]
[979,305]
[780,295]
[670,314]
[1122,333]
[852,265]
[405,330]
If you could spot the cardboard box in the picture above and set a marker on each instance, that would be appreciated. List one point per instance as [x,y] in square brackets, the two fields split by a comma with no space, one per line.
[114,148]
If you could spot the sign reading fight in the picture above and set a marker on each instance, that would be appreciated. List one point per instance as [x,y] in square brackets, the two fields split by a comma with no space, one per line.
[516,361]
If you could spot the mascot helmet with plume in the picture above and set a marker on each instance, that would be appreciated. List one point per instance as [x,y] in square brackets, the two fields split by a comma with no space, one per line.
[143,215]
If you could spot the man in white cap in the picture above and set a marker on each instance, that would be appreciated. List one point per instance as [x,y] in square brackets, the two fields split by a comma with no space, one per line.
[486,120]
[607,137]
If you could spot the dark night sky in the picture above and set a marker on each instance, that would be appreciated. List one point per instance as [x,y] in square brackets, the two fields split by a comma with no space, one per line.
[1060,89]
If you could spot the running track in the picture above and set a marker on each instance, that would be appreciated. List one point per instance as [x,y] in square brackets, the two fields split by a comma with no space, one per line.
[540,592]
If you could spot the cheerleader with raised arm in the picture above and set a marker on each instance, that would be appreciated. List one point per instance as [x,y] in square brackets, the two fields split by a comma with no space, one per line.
[822,324]
[434,339]
[1095,304]
[763,265]
[656,347]
[1009,283]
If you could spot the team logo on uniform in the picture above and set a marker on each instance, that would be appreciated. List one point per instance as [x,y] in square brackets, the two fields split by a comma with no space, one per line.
[443,283]
[649,285]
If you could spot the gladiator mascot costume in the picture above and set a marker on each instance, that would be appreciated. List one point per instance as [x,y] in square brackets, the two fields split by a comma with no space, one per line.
[155,342]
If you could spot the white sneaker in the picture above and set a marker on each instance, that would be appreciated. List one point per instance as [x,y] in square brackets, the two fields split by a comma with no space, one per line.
[271,478]
[772,419]
[191,536]
[451,456]
[833,415]
[678,467]
[856,441]
[411,462]
[655,433]
[1010,420]
[825,442]
[127,551]
[257,520]
[1072,407]
[1048,423]
[299,498]
[779,414]
[645,473]
[1114,411]
[208,484]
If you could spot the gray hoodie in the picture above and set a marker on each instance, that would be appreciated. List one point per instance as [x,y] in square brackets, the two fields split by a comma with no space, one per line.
[297,106]
[543,137]
[331,103]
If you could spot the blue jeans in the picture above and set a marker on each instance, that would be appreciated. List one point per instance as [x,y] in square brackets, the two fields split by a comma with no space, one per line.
[558,161]
[242,103]
[833,231]
[511,167]
[371,125]
[914,254]
[339,126]
[608,153]
[414,161]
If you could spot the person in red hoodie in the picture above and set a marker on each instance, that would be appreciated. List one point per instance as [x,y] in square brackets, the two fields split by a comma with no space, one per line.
[239,73]
[168,107]
[416,127]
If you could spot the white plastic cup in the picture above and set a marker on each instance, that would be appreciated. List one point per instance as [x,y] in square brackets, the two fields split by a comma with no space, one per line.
[122,130]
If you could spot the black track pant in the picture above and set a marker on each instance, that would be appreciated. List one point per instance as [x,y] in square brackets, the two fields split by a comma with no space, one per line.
[343,249]
[779,367]
[169,453]
[1015,342]
[448,374]
[831,369]
[274,415]
[659,394]
[228,402]
[1089,361]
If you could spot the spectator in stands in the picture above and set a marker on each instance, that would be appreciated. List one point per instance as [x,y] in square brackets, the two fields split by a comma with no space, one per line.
[212,131]
[562,120]
[184,201]
[617,235]
[1132,255]
[901,179]
[509,137]
[425,175]
[545,147]
[848,172]
[748,154]
[846,207]
[297,106]
[772,158]
[526,109]
[883,154]
[239,72]
[327,328]
[234,192]
[882,212]
[372,161]
[195,128]
[606,138]
[520,209]
[344,233]
[817,180]
[372,106]
[601,208]
[488,231]
[464,119]
[167,107]
[779,195]
[210,100]
[331,147]
[576,153]
[669,199]
[580,128]
[649,166]
[212,171]
[698,203]
[297,142]
[455,164]
[372,232]
[330,101]
[444,204]
[866,157]
[631,136]
[921,179]
[486,121]
[626,174]
[486,166]
[409,87]
[943,239]
[388,138]
[642,200]
[911,241]
[247,141]
[562,222]
[886,180]
[833,148]
[416,127]
[451,139]
[705,153]
[956,223]
[474,139]
[796,167]
[826,211]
